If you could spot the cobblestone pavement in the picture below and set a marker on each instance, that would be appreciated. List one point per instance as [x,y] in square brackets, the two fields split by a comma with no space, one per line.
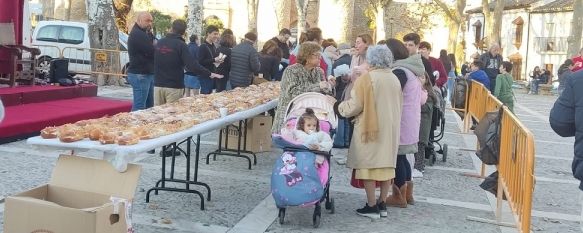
[241,200]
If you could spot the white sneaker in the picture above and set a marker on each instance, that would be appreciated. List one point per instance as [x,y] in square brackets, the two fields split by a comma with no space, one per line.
[416,174]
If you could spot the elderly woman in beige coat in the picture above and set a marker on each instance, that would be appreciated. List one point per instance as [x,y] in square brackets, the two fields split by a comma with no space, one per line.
[376,106]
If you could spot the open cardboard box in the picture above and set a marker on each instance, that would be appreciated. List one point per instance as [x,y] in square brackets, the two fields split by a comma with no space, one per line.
[77,199]
[258,135]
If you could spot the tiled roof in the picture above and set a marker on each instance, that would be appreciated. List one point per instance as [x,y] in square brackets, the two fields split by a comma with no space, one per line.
[510,5]
[556,6]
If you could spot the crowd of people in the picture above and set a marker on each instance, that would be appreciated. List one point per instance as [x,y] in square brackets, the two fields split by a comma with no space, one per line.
[384,103]
[385,100]
[162,71]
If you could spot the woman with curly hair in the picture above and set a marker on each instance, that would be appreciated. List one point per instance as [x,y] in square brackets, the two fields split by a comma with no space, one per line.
[301,77]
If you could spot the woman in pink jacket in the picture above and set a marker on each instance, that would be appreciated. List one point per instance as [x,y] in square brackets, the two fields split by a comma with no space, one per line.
[409,68]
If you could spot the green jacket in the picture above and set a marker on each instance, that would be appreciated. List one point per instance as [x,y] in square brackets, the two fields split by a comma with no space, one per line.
[503,90]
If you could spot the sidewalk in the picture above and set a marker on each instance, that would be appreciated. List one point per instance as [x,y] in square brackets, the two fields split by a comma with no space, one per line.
[241,200]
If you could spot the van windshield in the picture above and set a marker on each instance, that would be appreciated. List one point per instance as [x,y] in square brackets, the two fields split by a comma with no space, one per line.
[71,35]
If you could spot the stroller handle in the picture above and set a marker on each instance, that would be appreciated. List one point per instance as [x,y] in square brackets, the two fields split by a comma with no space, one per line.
[323,153]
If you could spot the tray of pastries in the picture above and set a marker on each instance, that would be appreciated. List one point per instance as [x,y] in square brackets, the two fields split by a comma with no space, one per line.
[128,128]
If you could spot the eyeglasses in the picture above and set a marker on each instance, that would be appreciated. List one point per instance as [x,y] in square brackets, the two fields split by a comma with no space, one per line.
[317,55]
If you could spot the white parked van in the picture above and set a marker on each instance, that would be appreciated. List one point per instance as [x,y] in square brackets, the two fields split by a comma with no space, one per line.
[71,39]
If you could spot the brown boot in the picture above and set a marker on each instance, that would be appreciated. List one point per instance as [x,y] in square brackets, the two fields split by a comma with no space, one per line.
[397,197]
[409,193]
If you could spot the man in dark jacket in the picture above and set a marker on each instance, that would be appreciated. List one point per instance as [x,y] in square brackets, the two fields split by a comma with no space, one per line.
[141,69]
[492,61]
[244,62]
[282,41]
[208,56]
[566,120]
[172,57]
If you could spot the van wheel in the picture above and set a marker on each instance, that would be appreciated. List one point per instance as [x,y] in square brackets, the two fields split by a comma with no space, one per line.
[44,65]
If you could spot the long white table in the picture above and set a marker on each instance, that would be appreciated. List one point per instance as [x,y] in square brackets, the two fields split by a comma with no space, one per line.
[120,156]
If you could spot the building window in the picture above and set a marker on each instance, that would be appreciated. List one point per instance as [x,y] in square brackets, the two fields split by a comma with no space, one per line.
[478,33]
[518,28]
[516,60]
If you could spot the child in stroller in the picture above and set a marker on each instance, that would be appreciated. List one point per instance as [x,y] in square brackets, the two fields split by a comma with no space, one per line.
[308,133]
[301,176]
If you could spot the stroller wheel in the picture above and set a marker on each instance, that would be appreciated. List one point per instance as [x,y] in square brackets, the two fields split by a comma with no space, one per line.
[316,217]
[281,215]
[332,207]
[444,153]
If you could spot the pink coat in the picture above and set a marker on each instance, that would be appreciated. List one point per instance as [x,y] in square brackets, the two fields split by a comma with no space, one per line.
[413,98]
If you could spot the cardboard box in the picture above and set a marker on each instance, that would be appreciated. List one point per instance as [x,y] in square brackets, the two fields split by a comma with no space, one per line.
[258,135]
[76,199]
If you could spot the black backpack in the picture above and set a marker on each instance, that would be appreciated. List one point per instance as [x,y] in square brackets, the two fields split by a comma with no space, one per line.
[488,134]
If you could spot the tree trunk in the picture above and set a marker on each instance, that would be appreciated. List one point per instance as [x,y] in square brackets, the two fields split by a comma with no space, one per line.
[103,34]
[195,17]
[454,29]
[121,9]
[487,18]
[283,9]
[380,32]
[252,6]
[347,19]
[312,12]
[69,5]
[576,29]
[493,21]
[301,6]
[496,22]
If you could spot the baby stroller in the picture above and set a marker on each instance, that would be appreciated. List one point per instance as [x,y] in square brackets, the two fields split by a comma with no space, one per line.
[295,179]
[437,128]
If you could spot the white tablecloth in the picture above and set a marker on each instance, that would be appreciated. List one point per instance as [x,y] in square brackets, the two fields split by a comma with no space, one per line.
[120,156]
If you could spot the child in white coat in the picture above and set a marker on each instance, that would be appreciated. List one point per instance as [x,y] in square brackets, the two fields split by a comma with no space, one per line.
[308,133]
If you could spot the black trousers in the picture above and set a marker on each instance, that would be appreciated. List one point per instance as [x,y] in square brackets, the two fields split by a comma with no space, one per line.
[403,171]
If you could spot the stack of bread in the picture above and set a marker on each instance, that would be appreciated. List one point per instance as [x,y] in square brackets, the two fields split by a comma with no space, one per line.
[129,128]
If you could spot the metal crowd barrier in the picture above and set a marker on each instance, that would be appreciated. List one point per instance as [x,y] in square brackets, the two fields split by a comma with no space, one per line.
[107,62]
[516,162]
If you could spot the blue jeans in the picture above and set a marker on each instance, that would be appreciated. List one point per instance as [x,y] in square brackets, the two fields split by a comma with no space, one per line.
[206,85]
[191,81]
[534,87]
[450,83]
[343,134]
[143,88]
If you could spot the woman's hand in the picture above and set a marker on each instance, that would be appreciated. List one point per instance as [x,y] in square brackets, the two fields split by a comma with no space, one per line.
[332,80]
[422,79]
[325,85]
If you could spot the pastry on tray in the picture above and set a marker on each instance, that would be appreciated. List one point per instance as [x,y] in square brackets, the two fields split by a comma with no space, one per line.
[128,128]
[128,139]
[71,133]
[108,138]
[49,132]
